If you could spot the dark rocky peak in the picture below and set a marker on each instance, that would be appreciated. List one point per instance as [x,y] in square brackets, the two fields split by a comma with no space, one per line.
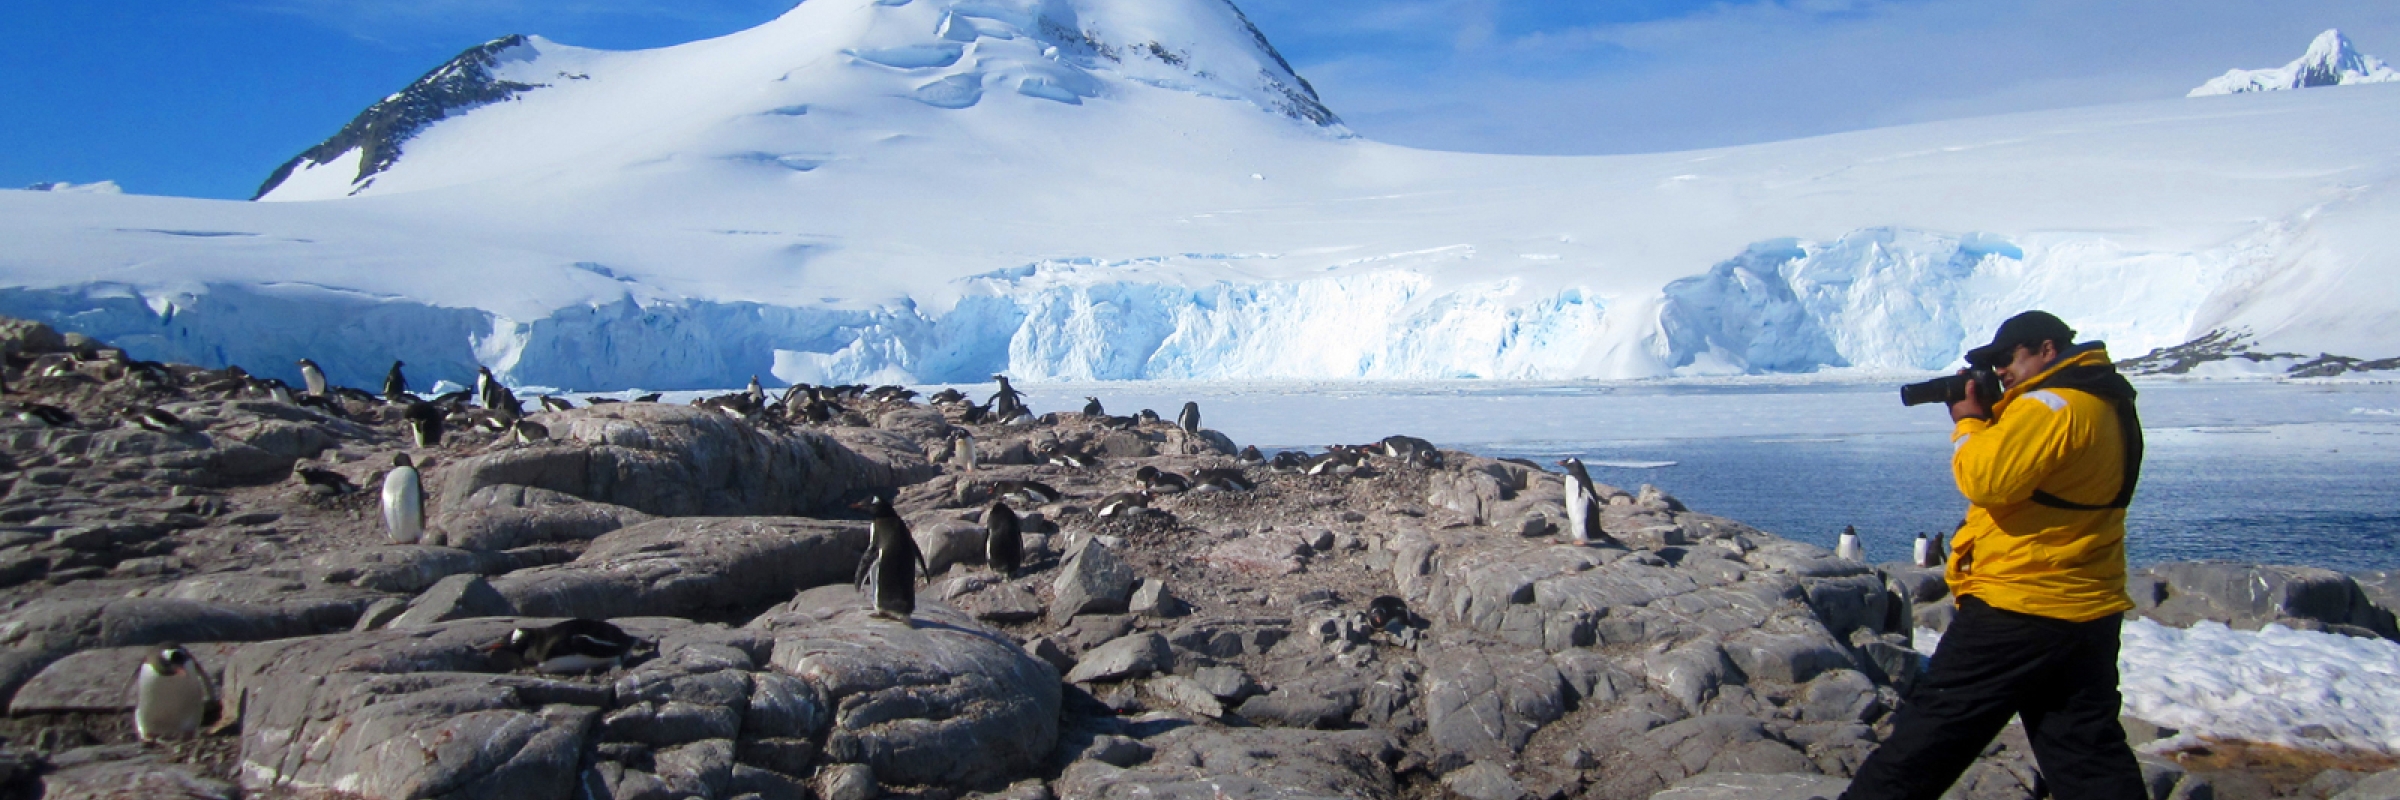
[380,131]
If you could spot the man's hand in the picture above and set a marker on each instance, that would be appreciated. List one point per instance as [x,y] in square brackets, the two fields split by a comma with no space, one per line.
[1972,407]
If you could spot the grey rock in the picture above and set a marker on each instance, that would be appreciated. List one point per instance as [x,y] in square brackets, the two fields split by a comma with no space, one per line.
[2248,596]
[454,597]
[1219,637]
[506,516]
[1187,694]
[947,542]
[943,701]
[40,632]
[2379,786]
[1212,763]
[1117,751]
[1151,599]
[1839,696]
[1484,780]
[146,777]
[101,680]
[1257,556]
[1746,786]
[1787,650]
[1227,683]
[1127,657]
[1095,581]
[703,768]
[1665,755]
[1047,649]
[1483,702]
[848,782]
[2159,776]
[745,782]
[1936,615]
[671,460]
[669,723]
[1689,674]
[689,566]
[380,614]
[1300,707]
[1919,585]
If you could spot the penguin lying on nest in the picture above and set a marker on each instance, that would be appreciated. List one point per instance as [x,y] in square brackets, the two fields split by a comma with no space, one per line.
[575,646]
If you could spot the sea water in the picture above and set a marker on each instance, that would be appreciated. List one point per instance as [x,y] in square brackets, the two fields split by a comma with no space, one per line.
[2304,473]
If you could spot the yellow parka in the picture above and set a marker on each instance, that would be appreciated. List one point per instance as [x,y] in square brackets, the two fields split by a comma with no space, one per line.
[2020,555]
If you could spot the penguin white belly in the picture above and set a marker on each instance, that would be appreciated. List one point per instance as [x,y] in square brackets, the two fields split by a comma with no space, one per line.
[169,706]
[1923,550]
[403,506]
[1848,547]
[1579,511]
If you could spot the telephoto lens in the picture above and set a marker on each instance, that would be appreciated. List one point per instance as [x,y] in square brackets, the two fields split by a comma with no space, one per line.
[1949,389]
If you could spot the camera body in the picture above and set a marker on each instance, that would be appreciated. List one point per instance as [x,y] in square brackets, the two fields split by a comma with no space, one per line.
[1949,389]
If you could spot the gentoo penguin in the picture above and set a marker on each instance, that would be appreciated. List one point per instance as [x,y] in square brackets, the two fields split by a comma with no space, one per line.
[394,384]
[1091,407]
[156,419]
[313,378]
[1008,402]
[1161,481]
[574,646]
[172,695]
[403,501]
[1583,502]
[1221,479]
[1032,493]
[1922,553]
[525,431]
[1003,539]
[550,403]
[1145,417]
[1189,417]
[484,396]
[1386,611]
[1337,460]
[1061,456]
[49,415]
[756,393]
[893,555]
[1847,546]
[946,396]
[1122,504]
[962,451]
[424,424]
[649,398]
[278,391]
[1250,457]
[324,482]
[1410,449]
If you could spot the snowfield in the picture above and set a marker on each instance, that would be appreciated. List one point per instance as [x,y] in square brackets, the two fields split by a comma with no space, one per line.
[937,190]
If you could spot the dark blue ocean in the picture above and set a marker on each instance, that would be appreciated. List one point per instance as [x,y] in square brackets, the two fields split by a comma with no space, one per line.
[2280,473]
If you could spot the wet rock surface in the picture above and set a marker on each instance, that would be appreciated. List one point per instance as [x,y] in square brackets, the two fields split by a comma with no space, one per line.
[1217,644]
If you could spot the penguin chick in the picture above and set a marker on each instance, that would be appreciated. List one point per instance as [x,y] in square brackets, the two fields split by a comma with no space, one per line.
[172,695]
[574,646]
[403,501]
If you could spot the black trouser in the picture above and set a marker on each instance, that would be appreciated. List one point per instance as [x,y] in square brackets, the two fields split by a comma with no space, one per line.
[2060,677]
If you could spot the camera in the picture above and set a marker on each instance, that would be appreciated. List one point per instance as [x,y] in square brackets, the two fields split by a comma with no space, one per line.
[1949,389]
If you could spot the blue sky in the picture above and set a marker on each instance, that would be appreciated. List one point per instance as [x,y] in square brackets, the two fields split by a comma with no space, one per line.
[204,98]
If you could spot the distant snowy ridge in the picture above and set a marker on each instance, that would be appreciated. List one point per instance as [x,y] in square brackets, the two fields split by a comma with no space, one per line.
[95,187]
[937,190]
[2330,61]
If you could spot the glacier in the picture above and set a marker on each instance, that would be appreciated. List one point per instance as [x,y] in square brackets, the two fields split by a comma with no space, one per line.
[1065,190]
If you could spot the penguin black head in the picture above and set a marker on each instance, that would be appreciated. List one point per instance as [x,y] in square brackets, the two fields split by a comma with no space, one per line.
[402,460]
[877,505]
[1385,610]
[171,659]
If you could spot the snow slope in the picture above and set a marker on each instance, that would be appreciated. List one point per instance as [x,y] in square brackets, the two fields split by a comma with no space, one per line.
[2330,61]
[935,190]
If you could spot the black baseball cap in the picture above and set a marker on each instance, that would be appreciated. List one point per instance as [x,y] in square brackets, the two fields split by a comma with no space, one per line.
[2031,327]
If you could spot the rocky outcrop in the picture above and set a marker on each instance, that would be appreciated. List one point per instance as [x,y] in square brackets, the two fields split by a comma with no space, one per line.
[669,460]
[690,567]
[43,632]
[1246,764]
[943,701]
[2249,596]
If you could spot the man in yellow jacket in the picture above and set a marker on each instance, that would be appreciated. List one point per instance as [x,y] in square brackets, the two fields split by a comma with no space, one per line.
[2039,572]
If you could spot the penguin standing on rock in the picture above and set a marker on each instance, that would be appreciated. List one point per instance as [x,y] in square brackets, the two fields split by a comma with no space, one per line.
[962,451]
[403,501]
[893,556]
[1003,539]
[1091,407]
[424,424]
[484,384]
[172,695]
[313,377]
[1921,554]
[1583,504]
[395,385]
[1007,402]
[1189,417]
[1848,546]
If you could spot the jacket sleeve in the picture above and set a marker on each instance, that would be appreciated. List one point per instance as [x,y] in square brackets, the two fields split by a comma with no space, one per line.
[2000,463]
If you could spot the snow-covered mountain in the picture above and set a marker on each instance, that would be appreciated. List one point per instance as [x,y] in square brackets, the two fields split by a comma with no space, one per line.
[936,190]
[2330,61]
